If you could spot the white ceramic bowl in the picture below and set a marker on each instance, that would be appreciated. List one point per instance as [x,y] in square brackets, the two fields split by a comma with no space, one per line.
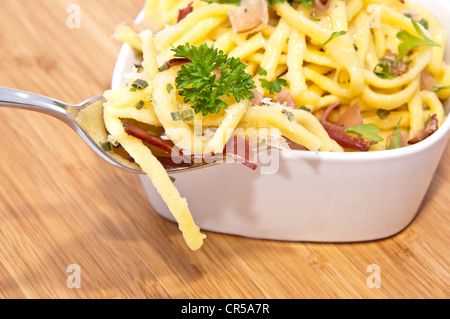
[324,197]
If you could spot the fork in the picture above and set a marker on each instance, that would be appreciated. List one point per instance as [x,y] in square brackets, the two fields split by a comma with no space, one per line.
[68,114]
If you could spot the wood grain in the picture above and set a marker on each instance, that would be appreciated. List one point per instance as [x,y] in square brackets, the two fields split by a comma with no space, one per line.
[60,204]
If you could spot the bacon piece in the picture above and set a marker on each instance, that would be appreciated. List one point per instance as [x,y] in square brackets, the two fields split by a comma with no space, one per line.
[294,146]
[182,13]
[427,81]
[257,100]
[285,97]
[143,135]
[429,129]
[237,147]
[395,66]
[175,62]
[250,16]
[338,133]
[351,117]
[321,5]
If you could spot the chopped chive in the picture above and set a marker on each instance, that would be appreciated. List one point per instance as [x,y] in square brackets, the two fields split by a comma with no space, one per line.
[355,47]
[382,114]
[176,116]
[113,141]
[106,147]
[187,116]
[304,108]
[289,115]
[153,133]
[153,101]
[169,87]
[315,19]
[140,105]
[163,68]
[172,179]
[139,84]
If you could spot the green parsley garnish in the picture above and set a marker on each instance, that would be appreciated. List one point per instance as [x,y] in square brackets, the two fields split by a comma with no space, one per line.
[396,141]
[199,85]
[139,84]
[421,21]
[383,69]
[261,71]
[409,41]
[367,130]
[274,86]
[383,114]
[438,89]
[333,36]
[424,23]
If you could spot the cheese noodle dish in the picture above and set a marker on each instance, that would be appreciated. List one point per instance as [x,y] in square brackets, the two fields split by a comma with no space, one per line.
[223,79]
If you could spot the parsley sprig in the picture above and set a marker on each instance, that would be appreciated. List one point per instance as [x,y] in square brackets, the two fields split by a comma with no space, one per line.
[200,83]
[274,86]
[410,42]
[383,69]
[368,130]
[437,88]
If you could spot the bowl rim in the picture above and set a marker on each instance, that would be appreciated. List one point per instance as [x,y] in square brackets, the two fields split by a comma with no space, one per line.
[126,53]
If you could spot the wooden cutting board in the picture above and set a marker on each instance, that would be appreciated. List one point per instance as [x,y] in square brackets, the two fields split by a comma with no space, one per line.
[63,210]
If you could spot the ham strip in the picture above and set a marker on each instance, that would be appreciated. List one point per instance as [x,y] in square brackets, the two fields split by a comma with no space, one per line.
[250,16]
[427,81]
[338,133]
[429,129]
[237,147]
[321,5]
[144,136]
[175,62]
[395,66]
[182,13]
[285,97]
[257,100]
[351,117]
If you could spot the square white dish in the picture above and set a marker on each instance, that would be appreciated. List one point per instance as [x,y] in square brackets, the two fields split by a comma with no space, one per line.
[317,197]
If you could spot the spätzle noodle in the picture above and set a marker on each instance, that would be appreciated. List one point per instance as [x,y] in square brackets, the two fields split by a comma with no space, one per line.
[319,68]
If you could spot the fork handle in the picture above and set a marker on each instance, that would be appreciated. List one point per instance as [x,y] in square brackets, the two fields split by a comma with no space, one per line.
[34,102]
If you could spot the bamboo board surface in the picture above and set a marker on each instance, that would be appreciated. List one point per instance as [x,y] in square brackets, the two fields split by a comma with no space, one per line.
[60,204]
